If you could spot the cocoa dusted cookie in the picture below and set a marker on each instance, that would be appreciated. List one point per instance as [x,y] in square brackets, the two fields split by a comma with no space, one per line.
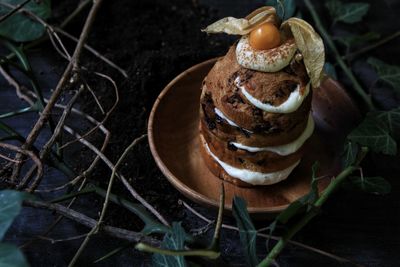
[255,119]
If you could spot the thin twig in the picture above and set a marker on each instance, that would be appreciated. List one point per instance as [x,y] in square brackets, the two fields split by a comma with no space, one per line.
[53,241]
[95,53]
[89,222]
[131,190]
[17,86]
[96,228]
[29,153]
[276,238]
[110,111]
[8,158]
[14,10]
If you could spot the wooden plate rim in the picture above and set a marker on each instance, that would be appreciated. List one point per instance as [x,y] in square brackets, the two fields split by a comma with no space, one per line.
[176,182]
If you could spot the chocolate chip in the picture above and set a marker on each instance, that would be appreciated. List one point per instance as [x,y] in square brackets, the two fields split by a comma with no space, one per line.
[261,162]
[232,147]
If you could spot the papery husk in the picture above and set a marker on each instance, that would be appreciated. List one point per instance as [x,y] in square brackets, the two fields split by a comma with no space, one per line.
[309,44]
[243,26]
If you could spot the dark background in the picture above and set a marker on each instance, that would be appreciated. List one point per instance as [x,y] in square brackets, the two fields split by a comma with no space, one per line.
[155,41]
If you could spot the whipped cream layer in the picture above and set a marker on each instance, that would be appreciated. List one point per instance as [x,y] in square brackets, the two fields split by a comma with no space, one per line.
[251,177]
[285,149]
[270,60]
[230,122]
[291,104]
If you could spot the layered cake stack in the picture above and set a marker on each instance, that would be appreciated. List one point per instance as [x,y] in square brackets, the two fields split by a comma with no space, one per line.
[255,115]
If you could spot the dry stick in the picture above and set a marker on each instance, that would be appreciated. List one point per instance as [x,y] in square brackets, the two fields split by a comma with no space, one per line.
[56,221]
[89,222]
[106,133]
[107,114]
[74,13]
[29,153]
[13,11]
[276,238]
[16,85]
[94,52]
[47,147]
[8,158]
[96,99]
[53,241]
[99,125]
[120,176]
[72,66]
[96,228]
[57,131]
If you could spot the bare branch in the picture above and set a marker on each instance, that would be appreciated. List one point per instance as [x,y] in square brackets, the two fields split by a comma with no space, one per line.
[89,222]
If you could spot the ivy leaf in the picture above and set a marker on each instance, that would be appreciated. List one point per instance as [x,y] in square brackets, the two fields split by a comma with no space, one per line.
[348,13]
[329,69]
[247,231]
[375,135]
[20,27]
[350,153]
[387,73]
[10,206]
[352,40]
[375,185]
[284,8]
[391,120]
[11,256]
[174,241]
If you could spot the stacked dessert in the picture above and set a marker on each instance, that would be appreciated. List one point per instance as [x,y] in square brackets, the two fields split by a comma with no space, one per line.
[255,115]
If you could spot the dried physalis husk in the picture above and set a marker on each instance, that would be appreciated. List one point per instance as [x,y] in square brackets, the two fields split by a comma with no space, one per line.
[231,25]
[310,45]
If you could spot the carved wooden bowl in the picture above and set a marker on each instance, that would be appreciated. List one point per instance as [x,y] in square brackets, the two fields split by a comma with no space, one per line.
[174,143]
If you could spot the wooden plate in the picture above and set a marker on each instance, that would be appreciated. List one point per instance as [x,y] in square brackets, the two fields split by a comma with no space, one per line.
[174,143]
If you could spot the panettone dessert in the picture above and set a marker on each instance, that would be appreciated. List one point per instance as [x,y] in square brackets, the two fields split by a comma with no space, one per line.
[255,116]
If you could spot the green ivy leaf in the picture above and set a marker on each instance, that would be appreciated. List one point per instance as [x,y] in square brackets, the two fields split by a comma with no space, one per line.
[330,70]
[375,185]
[391,120]
[11,256]
[348,13]
[174,241]
[10,206]
[387,73]
[247,231]
[375,135]
[284,8]
[350,153]
[20,27]
[352,40]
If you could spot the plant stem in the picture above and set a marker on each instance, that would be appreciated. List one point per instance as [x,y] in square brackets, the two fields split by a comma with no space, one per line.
[328,40]
[372,46]
[198,252]
[307,217]
[96,228]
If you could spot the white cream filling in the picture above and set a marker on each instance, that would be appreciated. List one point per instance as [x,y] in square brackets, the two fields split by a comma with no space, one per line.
[271,60]
[230,122]
[254,178]
[285,149]
[290,105]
